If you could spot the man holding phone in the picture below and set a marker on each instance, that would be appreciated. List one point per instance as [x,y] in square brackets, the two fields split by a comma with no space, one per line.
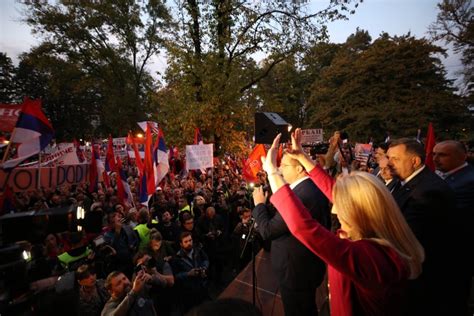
[128,299]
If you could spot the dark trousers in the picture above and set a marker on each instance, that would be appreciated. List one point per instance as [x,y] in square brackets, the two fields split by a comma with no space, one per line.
[299,302]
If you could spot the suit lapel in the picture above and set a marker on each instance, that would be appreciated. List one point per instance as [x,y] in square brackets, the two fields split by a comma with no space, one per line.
[402,193]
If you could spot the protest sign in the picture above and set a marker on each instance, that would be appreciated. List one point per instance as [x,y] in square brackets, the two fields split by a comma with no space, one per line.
[24,179]
[311,136]
[9,114]
[199,156]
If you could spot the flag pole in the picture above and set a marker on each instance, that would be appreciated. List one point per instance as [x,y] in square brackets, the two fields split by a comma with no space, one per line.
[7,151]
[39,170]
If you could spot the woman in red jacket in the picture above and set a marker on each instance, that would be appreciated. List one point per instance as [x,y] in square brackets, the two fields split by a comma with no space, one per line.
[374,252]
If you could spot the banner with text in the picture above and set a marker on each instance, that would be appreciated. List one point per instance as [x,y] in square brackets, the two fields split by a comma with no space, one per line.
[199,156]
[311,136]
[9,114]
[24,179]
[61,154]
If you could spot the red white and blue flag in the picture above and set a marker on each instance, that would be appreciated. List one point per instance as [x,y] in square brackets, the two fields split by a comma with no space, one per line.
[33,132]
[161,164]
[123,189]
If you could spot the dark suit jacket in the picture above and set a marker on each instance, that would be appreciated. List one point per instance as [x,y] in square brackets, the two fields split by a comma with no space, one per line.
[428,205]
[295,266]
[462,183]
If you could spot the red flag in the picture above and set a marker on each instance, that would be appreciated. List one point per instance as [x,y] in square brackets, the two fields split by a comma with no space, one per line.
[429,145]
[121,193]
[150,176]
[254,164]
[137,140]
[197,137]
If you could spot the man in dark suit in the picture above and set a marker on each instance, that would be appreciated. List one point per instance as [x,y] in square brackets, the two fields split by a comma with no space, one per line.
[449,158]
[427,204]
[299,271]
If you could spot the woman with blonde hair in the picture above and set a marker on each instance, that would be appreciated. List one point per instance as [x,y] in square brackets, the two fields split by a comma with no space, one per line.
[373,254]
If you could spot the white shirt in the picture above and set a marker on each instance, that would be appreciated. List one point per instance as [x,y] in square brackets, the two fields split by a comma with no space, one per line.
[444,175]
[412,175]
[294,184]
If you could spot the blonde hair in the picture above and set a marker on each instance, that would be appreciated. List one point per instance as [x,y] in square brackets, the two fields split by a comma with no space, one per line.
[369,208]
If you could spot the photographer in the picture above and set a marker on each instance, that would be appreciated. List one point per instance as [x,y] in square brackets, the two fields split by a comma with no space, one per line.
[126,299]
[239,237]
[159,285]
[190,269]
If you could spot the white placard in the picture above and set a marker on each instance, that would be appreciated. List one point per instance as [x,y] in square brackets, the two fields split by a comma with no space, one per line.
[311,136]
[199,156]
[119,141]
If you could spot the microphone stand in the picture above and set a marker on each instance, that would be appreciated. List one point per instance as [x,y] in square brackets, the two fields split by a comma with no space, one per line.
[249,240]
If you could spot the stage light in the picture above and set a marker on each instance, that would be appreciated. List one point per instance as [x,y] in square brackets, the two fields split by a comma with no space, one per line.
[139,135]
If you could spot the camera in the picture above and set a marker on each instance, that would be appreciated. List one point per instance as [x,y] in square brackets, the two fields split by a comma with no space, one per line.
[201,272]
[372,164]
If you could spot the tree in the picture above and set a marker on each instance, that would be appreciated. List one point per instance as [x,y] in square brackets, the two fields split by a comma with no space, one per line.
[396,84]
[7,80]
[455,24]
[212,76]
[109,44]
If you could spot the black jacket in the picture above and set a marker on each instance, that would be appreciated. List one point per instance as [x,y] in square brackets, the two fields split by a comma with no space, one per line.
[295,266]
[428,205]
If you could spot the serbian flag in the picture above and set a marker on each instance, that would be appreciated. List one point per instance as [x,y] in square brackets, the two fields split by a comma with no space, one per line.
[429,145]
[7,201]
[96,170]
[32,132]
[123,189]
[197,137]
[253,164]
[161,164]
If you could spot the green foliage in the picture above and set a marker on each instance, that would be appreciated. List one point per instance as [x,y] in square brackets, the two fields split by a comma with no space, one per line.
[212,76]
[395,84]
[94,57]
[455,24]
[7,81]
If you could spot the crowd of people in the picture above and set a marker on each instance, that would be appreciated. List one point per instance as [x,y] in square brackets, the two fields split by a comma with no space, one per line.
[388,245]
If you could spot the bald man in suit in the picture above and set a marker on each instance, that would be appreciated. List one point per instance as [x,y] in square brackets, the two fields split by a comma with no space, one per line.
[449,158]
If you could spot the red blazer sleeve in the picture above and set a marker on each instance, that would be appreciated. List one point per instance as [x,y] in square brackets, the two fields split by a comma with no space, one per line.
[363,260]
[323,181]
